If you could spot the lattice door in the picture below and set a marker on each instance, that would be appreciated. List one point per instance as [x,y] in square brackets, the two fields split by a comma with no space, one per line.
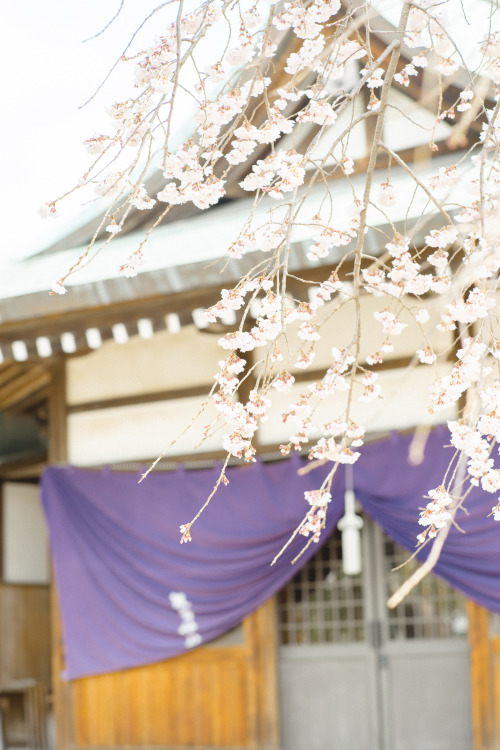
[344,655]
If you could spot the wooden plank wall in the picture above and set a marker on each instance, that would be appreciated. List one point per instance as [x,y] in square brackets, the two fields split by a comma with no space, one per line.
[213,697]
[25,632]
[495,692]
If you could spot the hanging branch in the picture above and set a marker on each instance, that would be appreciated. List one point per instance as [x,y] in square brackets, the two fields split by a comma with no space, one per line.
[278,98]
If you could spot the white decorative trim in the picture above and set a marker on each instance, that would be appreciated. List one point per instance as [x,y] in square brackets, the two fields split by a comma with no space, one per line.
[188,627]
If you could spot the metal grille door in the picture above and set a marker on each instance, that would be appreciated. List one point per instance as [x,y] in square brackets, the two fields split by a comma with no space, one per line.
[321,605]
[354,676]
[432,610]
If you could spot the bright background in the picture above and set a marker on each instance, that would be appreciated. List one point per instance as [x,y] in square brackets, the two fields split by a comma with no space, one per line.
[48,72]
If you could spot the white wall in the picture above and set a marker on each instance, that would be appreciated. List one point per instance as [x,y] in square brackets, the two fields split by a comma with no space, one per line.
[138,431]
[165,362]
[24,544]
[340,329]
[190,358]
[143,431]
[402,405]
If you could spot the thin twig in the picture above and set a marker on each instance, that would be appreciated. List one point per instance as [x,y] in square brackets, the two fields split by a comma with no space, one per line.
[94,36]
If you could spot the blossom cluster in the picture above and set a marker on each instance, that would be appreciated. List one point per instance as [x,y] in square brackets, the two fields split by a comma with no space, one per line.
[435,516]
[263,107]
[315,517]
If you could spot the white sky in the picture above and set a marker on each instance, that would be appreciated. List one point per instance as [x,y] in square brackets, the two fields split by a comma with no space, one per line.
[47,74]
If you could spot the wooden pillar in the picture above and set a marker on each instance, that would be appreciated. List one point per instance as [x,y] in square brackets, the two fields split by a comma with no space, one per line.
[481,679]
[266,657]
[57,453]
[57,426]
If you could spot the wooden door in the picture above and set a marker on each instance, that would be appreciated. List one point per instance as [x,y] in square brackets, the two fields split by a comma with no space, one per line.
[220,695]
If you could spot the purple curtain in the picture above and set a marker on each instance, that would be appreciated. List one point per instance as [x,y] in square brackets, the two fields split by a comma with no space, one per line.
[391,491]
[131,594]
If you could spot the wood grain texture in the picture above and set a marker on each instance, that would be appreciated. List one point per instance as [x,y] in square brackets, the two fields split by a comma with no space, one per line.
[213,697]
[484,679]
[25,628]
[57,453]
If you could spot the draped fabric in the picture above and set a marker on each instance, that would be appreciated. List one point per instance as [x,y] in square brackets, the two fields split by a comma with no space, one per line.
[391,492]
[117,556]
[130,594]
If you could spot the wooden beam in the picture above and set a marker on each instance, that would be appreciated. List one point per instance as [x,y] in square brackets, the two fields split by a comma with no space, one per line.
[143,398]
[396,363]
[10,371]
[267,657]
[36,322]
[57,430]
[23,386]
[25,468]
[33,403]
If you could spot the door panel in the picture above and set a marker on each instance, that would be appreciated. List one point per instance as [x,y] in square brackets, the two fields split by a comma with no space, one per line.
[325,659]
[321,605]
[317,691]
[428,699]
[428,660]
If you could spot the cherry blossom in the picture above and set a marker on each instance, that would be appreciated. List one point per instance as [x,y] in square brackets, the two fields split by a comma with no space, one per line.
[58,288]
[113,227]
[426,356]
[385,195]
[442,237]
[268,91]
[371,389]
[390,322]
[435,516]
[129,268]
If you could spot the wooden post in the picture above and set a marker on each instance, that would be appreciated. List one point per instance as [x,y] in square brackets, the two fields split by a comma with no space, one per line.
[481,678]
[57,453]
[57,427]
[268,663]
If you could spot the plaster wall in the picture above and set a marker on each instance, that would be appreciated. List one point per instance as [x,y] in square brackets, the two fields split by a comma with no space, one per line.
[140,366]
[340,329]
[25,549]
[139,432]
[402,405]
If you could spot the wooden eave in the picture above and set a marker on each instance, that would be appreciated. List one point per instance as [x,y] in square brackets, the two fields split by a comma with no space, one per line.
[151,295]
[23,387]
[179,292]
